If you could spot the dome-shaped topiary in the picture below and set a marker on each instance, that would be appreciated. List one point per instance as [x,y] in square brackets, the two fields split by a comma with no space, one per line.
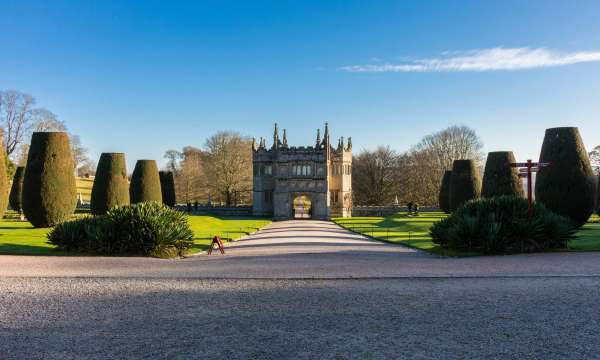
[145,183]
[16,190]
[499,178]
[111,187]
[49,191]
[444,198]
[167,187]
[568,187]
[465,183]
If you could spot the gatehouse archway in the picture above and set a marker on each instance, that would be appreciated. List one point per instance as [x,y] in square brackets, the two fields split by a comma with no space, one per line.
[302,207]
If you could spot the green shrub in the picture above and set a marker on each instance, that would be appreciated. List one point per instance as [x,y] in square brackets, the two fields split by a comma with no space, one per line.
[444,197]
[568,187]
[111,187]
[16,190]
[145,182]
[499,178]
[167,188]
[49,192]
[465,183]
[3,181]
[141,229]
[501,225]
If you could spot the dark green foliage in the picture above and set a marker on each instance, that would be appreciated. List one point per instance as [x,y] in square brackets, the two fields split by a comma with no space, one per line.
[141,229]
[444,198]
[500,225]
[16,190]
[465,183]
[111,187]
[3,182]
[568,187]
[499,178]
[145,182]
[167,187]
[49,192]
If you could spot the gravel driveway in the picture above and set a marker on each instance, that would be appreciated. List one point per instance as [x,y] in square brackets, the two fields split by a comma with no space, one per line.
[301,297]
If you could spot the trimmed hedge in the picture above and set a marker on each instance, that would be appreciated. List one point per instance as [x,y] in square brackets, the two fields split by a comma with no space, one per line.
[444,197]
[167,187]
[499,178]
[150,229]
[111,187]
[16,190]
[568,187]
[3,181]
[501,225]
[465,183]
[49,191]
[145,183]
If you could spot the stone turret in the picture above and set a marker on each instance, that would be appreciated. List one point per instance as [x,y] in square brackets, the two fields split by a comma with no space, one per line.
[285,143]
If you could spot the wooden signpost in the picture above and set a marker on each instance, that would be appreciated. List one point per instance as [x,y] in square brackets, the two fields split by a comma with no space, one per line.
[216,240]
[525,170]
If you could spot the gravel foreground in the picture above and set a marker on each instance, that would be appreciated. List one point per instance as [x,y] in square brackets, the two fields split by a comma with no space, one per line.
[443,318]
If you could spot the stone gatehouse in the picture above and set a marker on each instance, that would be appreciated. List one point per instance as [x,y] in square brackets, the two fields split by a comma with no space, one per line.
[302,182]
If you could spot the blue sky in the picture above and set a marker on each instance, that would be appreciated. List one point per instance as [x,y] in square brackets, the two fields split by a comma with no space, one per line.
[143,77]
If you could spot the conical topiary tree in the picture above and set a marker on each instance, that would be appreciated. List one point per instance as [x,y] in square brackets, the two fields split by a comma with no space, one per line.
[49,191]
[568,187]
[145,183]
[167,187]
[444,198]
[499,178]
[16,190]
[465,183]
[111,187]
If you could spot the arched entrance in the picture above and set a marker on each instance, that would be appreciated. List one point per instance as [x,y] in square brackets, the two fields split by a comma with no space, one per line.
[302,207]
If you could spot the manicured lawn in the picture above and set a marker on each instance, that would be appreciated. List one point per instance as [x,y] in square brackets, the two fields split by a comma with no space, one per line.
[413,231]
[19,237]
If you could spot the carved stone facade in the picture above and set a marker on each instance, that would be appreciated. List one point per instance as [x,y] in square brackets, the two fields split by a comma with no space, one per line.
[321,173]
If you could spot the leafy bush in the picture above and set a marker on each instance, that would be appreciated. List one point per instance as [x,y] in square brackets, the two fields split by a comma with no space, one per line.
[501,225]
[141,229]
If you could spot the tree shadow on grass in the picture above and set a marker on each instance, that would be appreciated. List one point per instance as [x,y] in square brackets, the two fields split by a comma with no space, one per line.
[22,249]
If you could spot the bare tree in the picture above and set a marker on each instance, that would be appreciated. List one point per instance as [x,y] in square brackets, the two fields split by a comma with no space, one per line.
[228,167]
[172,156]
[375,176]
[45,121]
[16,117]
[595,159]
[455,142]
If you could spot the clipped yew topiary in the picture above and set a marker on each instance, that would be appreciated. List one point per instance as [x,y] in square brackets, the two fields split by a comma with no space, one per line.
[568,187]
[500,179]
[145,183]
[3,181]
[49,192]
[167,187]
[111,187]
[16,191]
[444,198]
[465,183]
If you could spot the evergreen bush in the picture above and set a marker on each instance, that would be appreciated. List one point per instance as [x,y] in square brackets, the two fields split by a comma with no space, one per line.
[568,187]
[465,183]
[16,190]
[444,197]
[501,225]
[145,183]
[167,187]
[111,187]
[49,190]
[140,229]
[499,178]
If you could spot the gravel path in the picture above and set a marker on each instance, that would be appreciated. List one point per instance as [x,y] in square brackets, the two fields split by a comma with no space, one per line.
[301,291]
[519,318]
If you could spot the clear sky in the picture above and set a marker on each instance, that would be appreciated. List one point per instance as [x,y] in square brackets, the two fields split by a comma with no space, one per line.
[143,77]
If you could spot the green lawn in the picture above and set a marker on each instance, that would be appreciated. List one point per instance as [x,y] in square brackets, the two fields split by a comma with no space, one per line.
[413,231]
[19,237]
